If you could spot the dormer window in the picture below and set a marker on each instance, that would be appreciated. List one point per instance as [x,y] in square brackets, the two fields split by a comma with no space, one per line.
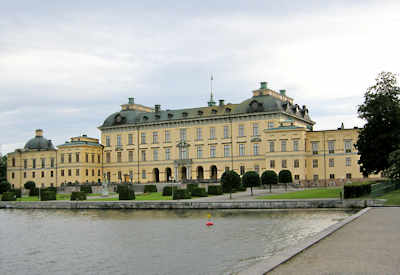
[200,113]
[213,111]
[158,116]
[145,118]
[170,116]
[184,114]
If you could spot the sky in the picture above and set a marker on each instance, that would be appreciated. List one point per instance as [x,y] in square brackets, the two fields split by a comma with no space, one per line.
[66,65]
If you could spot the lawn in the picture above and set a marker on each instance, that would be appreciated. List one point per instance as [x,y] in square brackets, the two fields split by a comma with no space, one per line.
[317,193]
[393,198]
[140,197]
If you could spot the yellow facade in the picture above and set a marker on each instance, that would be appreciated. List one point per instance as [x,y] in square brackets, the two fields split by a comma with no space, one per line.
[140,144]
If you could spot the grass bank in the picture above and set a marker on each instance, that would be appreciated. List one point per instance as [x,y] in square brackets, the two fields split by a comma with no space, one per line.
[317,193]
[393,198]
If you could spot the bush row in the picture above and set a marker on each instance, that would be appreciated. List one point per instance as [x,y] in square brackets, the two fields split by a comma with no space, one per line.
[181,194]
[199,192]
[126,193]
[150,188]
[8,196]
[215,190]
[78,196]
[356,190]
[86,188]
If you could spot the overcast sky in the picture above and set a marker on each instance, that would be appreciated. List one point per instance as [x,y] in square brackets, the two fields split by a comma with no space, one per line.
[66,65]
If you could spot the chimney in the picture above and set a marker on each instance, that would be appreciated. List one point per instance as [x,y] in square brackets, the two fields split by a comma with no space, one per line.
[131,100]
[263,85]
[282,92]
[39,133]
[221,102]
[157,108]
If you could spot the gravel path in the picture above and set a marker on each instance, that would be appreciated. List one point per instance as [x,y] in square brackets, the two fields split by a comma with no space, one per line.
[368,245]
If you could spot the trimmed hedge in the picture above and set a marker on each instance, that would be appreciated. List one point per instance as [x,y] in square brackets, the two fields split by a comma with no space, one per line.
[51,188]
[150,188]
[356,190]
[167,190]
[215,190]
[86,188]
[240,188]
[34,192]
[181,194]
[191,186]
[48,195]
[17,192]
[8,196]
[78,196]
[199,192]
[126,193]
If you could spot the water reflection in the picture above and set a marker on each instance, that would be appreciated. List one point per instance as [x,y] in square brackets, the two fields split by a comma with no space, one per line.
[149,241]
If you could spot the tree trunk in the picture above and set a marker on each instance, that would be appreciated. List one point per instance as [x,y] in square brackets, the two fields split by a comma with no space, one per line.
[251,189]
[270,187]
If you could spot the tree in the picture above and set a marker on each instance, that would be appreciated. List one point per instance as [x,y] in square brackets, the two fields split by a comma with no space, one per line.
[3,168]
[230,180]
[269,177]
[381,134]
[5,186]
[285,176]
[251,179]
[30,185]
[393,171]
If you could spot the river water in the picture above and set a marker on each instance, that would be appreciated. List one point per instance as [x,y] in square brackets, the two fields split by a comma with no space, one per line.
[149,241]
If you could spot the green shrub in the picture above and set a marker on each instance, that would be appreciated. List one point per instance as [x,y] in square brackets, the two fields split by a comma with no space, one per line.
[34,192]
[119,186]
[356,190]
[167,190]
[86,188]
[51,188]
[181,194]
[199,192]
[78,196]
[150,188]
[8,196]
[191,186]
[215,190]
[269,177]
[285,176]
[5,186]
[17,192]
[240,188]
[230,180]
[29,185]
[47,195]
[126,193]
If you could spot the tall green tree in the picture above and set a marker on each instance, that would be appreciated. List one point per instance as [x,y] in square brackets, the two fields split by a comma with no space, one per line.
[3,168]
[285,176]
[393,171]
[381,134]
[251,179]
[230,180]
[269,177]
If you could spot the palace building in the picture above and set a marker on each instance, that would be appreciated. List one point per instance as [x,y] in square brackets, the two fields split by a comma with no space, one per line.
[141,144]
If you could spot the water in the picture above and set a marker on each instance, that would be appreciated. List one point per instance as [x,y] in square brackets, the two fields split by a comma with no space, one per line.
[149,241]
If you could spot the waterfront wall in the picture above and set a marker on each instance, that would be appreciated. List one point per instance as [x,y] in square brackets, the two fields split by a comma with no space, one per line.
[253,204]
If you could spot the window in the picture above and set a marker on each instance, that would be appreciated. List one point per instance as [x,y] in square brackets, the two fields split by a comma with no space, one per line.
[315,163]
[12,175]
[167,136]
[212,151]
[348,176]
[284,163]
[183,153]
[130,156]
[241,130]
[256,147]
[87,172]
[227,150]
[155,154]
[98,158]
[143,174]
[25,163]
[212,132]
[226,131]
[87,157]
[143,138]
[143,155]
[331,146]
[119,175]
[119,143]
[167,153]
[331,163]
[272,163]
[348,161]
[296,163]
[24,174]
[33,163]
[43,162]
[98,173]
[347,146]
[108,157]
[296,145]
[198,134]
[62,158]
[155,137]
[272,146]
[270,124]
[62,173]
[52,162]
[119,156]
[314,146]
[77,172]
[69,172]
[33,174]
[77,157]
[296,177]
[332,176]
[92,172]
[69,158]
[182,134]
[13,162]
[108,141]
[242,170]
[242,151]
[92,158]
[131,175]
[257,168]
[130,139]
[255,129]
[315,177]
[42,174]
[199,152]
[283,145]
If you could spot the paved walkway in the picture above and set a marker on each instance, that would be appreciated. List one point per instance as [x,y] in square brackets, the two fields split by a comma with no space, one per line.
[368,245]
